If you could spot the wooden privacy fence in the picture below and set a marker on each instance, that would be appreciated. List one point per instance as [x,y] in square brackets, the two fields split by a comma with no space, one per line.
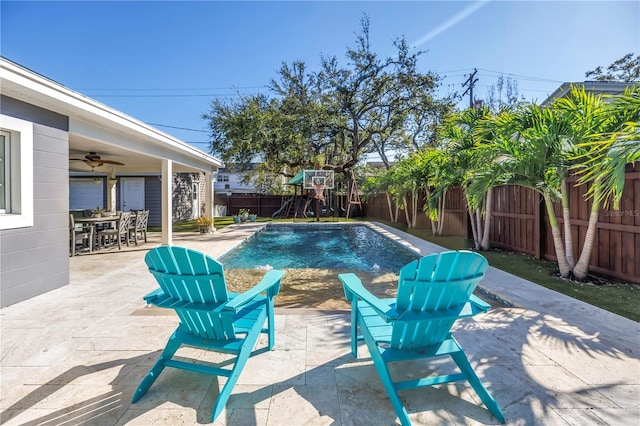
[262,205]
[520,223]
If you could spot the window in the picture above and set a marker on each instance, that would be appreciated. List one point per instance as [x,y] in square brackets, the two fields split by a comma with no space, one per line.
[5,178]
[16,173]
[223,178]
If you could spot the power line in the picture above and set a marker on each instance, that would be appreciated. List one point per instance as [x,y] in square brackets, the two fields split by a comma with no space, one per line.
[520,76]
[176,127]
[208,95]
[176,89]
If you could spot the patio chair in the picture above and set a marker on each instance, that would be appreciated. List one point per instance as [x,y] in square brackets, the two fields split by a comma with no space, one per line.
[433,292]
[80,234]
[139,229]
[117,234]
[193,284]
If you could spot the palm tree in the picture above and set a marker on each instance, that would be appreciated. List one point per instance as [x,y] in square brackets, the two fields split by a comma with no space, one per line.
[528,151]
[610,152]
[459,140]
[383,183]
[587,114]
[408,180]
[614,127]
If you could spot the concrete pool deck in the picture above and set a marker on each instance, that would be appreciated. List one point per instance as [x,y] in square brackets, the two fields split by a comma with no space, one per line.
[75,355]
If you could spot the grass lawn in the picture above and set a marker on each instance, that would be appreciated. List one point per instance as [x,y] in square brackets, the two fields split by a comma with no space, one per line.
[620,298]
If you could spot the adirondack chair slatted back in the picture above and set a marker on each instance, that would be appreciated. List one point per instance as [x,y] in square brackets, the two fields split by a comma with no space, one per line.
[439,284]
[193,284]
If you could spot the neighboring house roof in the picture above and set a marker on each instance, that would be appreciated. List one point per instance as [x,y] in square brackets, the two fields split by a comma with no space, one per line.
[235,169]
[600,87]
[96,127]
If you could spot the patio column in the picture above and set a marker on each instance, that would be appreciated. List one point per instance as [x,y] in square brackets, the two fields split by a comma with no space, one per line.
[208,196]
[111,194]
[166,185]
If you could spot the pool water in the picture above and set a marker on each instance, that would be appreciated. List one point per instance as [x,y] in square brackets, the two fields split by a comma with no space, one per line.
[347,247]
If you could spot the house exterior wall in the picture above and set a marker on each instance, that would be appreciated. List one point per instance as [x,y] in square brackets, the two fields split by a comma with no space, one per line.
[35,259]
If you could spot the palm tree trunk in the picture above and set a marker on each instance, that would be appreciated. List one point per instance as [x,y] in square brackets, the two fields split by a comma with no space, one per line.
[487,220]
[406,210]
[434,229]
[563,265]
[479,226]
[394,218]
[581,270]
[566,217]
[472,220]
[414,208]
[441,212]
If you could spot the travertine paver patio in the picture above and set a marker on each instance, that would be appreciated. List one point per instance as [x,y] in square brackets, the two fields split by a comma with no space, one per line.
[75,356]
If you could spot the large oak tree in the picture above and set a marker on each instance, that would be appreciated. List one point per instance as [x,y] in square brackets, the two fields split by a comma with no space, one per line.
[330,118]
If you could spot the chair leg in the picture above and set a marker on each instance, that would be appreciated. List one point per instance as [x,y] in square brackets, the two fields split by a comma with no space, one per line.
[172,346]
[354,327]
[241,360]
[463,364]
[385,377]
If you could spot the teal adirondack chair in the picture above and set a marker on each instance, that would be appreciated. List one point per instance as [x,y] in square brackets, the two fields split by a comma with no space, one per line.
[433,292]
[211,318]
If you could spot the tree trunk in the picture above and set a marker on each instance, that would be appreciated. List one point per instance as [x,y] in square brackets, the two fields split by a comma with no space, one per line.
[581,270]
[566,217]
[406,210]
[563,265]
[479,227]
[441,213]
[487,220]
[414,209]
[434,227]
[472,220]
[394,218]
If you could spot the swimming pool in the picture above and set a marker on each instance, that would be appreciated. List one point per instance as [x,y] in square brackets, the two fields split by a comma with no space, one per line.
[326,246]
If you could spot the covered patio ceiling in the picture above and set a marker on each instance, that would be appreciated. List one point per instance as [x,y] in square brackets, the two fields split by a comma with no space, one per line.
[134,161]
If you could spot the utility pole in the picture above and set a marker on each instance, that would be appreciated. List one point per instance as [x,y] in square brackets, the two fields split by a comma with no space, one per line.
[471,82]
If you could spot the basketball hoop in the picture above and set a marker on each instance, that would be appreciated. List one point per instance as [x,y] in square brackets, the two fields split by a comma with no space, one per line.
[318,180]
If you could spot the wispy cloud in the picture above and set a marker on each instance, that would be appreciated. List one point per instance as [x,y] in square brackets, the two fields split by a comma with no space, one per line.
[450,22]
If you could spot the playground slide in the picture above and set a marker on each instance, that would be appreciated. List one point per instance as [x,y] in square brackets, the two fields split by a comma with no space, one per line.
[281,209]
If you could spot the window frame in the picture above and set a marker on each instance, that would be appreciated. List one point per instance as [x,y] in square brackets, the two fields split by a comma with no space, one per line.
[6,175]
[19,214]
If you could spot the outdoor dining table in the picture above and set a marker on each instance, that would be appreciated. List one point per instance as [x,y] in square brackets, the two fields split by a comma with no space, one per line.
[95,221]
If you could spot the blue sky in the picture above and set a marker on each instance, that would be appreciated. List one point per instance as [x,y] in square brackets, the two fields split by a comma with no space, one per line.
[162,62]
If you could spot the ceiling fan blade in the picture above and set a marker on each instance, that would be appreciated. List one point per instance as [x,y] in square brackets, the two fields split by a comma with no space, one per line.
[111,162]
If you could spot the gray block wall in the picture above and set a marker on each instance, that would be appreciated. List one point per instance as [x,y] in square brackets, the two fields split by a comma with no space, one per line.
[35,260]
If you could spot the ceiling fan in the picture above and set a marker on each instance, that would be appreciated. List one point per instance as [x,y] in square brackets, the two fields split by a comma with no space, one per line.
[94,160]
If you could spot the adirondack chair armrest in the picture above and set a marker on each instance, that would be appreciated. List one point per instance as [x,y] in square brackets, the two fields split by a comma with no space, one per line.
[479,303]
[153,295]
[353,287]
[270,280]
